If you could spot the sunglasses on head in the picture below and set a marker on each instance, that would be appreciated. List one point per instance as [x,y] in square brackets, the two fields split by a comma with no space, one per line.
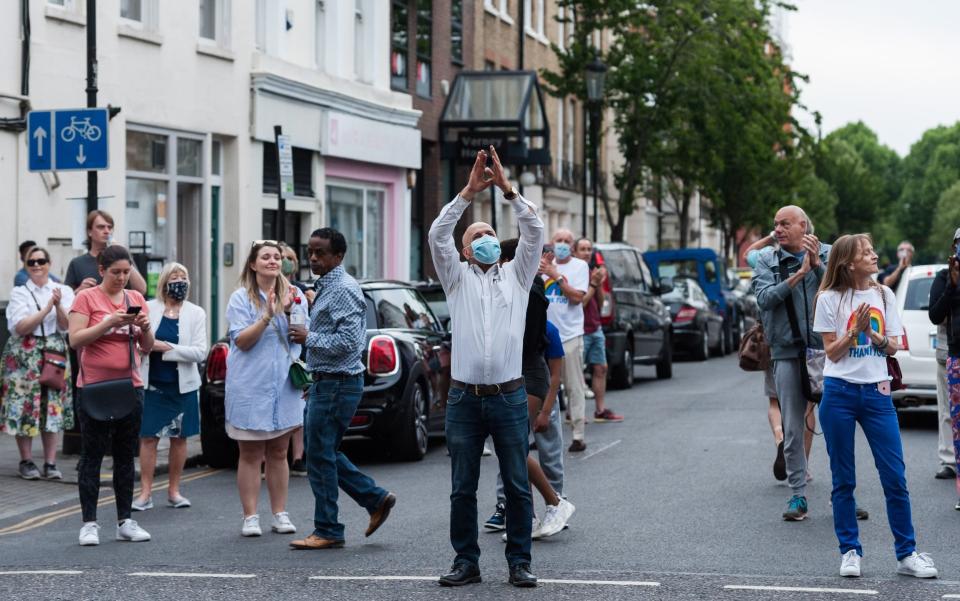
[266,243]
[35,262]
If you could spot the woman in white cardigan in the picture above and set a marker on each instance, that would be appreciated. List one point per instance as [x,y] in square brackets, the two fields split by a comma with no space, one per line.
[171,405]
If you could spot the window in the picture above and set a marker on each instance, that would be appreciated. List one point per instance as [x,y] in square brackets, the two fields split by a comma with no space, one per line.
[208,19]
[534,15]
[489,66]
[357,212]
[359,41]
[623,268]
[319,33]
[561,35]
[132,10]
[918,294]
[403,309]
[399,45]
[424,46]
[456,31]
[302,170]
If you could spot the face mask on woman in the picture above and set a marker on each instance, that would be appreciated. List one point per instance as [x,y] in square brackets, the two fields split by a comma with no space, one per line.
[286,267]
[486,250]
[561,250]
[177,290]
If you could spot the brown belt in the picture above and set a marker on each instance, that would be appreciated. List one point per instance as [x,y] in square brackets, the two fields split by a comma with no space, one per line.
[489,389]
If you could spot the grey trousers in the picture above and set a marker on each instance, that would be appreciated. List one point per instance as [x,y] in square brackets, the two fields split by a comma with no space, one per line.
[550,452]
[793,407]
[945,438]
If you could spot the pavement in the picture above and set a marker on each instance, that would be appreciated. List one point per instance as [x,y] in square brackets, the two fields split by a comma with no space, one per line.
[676,502]
[18,496]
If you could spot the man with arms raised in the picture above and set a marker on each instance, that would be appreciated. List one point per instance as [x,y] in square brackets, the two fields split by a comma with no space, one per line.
[488,305]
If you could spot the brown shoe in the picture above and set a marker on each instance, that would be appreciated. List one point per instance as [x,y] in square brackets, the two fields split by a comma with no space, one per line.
[577,446]
[378,517]
[315,542]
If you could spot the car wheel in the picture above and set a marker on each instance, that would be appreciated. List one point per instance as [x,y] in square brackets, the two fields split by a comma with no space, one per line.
[727,335]
[703,348]
[741,330]
[665,365]
[621,376]
[721,350]
[410,443]
[219,450]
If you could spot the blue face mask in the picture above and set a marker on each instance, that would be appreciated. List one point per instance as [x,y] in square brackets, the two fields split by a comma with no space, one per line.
[486,250]
[561,250]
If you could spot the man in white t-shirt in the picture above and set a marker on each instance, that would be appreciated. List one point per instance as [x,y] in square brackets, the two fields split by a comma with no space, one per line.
[567,282]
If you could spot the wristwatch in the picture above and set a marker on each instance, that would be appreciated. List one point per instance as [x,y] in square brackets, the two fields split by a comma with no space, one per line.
[511,194]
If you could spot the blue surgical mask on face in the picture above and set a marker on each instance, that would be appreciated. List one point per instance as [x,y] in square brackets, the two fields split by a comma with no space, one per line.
[486,250]
[561,250]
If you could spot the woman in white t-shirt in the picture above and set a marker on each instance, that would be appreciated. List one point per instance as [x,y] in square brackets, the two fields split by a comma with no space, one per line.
[859,323]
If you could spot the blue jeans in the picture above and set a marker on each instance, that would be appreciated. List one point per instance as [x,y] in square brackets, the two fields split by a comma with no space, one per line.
[470,419]
[843,405]
[330,408]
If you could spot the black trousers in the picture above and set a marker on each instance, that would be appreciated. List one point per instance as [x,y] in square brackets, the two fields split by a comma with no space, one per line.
[121,438]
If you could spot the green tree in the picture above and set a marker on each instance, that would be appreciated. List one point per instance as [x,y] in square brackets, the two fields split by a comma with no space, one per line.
[947,221]
[819,200]
[932,166]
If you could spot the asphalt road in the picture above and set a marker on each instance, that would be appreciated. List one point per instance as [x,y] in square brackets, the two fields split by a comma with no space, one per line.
[676,502]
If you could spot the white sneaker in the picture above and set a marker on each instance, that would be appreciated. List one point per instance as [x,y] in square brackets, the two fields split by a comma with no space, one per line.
[89,534]
[129,530]
[179,502]
[555,520]
[251,526]
[850,564]
[533,528]
[139,505]
[588,393]
[282,524]
[916,564]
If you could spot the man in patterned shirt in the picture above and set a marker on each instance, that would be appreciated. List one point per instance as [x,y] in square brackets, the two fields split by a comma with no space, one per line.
[334,347]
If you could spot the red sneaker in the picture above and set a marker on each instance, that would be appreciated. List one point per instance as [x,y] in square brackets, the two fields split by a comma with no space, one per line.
[606,416]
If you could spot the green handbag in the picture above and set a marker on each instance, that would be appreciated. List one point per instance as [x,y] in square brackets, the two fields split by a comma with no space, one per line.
[298,374]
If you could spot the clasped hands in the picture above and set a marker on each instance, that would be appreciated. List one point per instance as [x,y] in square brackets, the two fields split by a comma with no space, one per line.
[862,323]
[482,177]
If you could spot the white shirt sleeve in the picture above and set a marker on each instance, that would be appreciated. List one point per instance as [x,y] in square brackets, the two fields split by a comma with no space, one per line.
[446,259]
[20,307]
[891,317]
[825,319]
[66,301]
[579,277]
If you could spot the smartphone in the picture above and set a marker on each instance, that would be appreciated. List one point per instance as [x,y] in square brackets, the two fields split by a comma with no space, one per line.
[133,310]
[547,248]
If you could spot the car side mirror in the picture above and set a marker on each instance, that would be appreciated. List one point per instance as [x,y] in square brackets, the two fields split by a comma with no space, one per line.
[665,286]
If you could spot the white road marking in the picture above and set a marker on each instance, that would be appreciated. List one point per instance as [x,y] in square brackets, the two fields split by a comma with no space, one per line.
[42,572]
[190,575]
[601,449]
[435,578]
[950,597]
[801,589]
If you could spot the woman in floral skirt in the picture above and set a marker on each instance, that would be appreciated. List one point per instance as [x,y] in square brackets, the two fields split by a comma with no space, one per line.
[37,318]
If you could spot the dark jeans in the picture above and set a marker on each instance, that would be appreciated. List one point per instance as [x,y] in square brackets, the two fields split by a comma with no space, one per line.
[844,405]
[122,439]
[470,419]
[329,409]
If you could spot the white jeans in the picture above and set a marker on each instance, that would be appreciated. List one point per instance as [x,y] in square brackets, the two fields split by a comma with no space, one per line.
[573,384]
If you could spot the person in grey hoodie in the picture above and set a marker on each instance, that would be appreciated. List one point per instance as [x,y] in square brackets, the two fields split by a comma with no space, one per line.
[805,258]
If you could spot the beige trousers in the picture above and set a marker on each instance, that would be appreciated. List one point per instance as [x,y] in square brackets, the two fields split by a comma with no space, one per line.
[573,384]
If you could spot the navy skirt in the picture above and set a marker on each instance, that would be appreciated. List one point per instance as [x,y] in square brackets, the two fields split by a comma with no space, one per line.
[168,413]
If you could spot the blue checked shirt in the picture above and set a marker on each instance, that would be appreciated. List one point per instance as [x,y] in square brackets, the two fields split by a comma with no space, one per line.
[338,330]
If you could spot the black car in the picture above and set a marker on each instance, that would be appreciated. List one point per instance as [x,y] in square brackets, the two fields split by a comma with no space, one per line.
[635,321]
[405,383]
[433,292]
[697,325]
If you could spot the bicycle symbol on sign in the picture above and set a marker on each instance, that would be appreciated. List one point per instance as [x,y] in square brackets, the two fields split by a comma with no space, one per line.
[80,127]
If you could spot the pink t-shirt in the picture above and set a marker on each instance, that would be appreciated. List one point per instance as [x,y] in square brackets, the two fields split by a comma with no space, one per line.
[108,357]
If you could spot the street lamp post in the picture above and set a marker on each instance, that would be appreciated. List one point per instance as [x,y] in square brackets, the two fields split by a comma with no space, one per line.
[596,74]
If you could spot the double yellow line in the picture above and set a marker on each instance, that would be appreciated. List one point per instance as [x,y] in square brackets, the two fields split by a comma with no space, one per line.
[48,518]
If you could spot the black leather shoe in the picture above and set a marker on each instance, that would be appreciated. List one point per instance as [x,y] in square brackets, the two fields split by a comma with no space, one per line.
[520,576]
[461,574]
[946,473]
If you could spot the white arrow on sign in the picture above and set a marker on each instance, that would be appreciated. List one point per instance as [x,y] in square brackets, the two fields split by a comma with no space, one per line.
[39,134]
[80,158]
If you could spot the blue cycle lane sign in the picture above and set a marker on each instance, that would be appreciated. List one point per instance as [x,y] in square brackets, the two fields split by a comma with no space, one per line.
[68,140]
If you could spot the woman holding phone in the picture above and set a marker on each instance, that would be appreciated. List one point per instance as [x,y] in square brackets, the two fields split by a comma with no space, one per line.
[105,320]
[860,326]
[263,407]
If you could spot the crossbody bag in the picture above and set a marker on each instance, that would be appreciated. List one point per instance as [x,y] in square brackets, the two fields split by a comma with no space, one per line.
[893,366]
[111,400]
[811,360]
[53,364]
[299,376]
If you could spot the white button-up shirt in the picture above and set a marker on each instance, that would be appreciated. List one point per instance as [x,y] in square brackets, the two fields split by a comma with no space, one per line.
[22,305]
[488,310]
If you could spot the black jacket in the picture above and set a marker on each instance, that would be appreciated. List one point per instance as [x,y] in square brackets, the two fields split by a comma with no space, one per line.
[945,305]
[535,333]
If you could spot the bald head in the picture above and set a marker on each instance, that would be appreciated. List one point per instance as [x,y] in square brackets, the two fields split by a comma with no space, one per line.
[563,235]
[473,232]
[790,225]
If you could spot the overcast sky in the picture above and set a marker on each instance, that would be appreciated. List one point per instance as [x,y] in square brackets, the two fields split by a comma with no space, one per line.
[890,63]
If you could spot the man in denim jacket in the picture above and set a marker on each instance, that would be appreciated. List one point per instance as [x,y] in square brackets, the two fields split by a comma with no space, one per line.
[805,259]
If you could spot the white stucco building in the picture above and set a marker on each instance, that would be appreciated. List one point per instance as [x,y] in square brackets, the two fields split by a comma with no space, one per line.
[201,85]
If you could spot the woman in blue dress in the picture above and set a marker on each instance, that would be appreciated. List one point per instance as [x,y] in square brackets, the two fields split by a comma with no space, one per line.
[263,407]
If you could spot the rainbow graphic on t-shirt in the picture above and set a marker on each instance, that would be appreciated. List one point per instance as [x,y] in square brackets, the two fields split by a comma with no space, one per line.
[877,324]
[552,289]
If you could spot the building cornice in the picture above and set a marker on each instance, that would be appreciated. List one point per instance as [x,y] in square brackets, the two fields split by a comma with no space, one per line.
[270,83]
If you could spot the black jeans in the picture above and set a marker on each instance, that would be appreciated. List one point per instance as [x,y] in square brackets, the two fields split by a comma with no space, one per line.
[96,437]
